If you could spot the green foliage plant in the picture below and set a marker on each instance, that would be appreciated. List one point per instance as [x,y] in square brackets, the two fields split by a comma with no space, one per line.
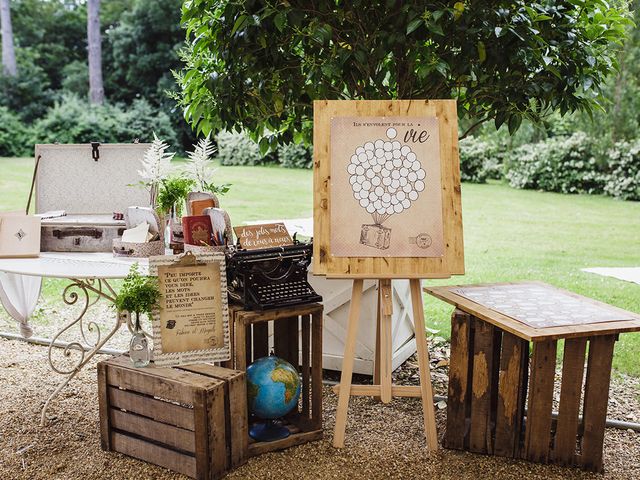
[172,193]
[258,66]
[139,294]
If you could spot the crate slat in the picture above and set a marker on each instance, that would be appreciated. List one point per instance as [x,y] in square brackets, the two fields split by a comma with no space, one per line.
[165,457]
[458,392]
[538,427]
[164,412]
[480,433]
[570,393]
[158,432]
[596,399]
[511,394]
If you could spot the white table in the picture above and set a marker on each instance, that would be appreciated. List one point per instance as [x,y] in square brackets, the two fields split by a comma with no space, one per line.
[88,273]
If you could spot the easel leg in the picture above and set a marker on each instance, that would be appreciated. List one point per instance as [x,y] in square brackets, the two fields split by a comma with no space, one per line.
[385,311]
[376,362]
[347,365]
[423,363]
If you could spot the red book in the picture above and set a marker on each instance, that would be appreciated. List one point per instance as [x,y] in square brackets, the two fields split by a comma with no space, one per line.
[197,229]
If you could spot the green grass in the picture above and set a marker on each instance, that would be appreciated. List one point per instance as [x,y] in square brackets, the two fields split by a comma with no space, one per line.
[509,235]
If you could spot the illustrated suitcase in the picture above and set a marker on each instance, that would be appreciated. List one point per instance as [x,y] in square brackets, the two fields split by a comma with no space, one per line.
[89,182]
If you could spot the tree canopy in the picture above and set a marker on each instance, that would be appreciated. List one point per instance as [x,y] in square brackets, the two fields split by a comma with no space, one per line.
[259,65]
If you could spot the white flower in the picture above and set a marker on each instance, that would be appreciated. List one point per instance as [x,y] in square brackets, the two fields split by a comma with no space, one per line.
[156,163]
[200,164]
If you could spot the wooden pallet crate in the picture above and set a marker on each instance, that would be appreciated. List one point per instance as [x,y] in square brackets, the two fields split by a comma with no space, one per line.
[190,419]
[295,335]
[488,410]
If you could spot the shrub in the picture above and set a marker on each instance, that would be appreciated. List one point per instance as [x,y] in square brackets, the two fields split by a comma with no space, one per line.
[295,155]
[623,171]
[76,121]
[238,149]
[475,157]
[14,137]
[29,93]
[558,164]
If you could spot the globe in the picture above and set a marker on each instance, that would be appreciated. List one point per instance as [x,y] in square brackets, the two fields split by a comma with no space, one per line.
[273,390]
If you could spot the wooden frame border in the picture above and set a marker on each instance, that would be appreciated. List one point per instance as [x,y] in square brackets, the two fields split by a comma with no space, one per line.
[452,263]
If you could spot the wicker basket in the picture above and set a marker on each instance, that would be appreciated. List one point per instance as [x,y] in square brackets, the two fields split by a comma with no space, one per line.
[140,249]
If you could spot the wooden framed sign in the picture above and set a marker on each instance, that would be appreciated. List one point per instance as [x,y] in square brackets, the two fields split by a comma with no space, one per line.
[192,322]
[267,235]
[387,189]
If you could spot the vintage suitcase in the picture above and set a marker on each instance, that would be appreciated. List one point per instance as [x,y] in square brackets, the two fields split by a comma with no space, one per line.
[89,182]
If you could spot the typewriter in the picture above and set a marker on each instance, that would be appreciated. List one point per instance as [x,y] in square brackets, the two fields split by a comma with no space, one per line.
[270,277]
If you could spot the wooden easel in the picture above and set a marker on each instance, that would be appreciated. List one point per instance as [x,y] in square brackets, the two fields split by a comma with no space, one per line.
[383,388]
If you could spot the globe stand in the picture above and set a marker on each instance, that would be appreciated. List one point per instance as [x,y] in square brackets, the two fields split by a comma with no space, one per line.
[268,431]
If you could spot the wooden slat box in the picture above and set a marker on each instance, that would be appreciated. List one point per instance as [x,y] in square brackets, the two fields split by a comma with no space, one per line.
[500,401]
[297,338]
[190,419]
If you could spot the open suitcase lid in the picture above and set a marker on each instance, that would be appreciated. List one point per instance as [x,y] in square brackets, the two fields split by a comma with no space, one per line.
[89,179]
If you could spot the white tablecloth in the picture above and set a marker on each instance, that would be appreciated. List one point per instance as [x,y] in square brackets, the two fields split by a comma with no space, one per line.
[21,278]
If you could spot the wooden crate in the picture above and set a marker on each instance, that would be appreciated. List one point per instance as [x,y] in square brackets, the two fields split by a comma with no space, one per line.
[297,338]
[488,411]
[190,419]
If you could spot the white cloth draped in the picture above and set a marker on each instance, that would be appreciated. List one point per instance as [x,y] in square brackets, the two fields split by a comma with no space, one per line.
[19,295]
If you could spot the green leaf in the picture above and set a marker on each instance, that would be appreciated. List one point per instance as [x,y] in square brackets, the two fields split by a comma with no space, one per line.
[414,24]
[482,51]
[514,123]
[240,22]
[264,145]
[278,20]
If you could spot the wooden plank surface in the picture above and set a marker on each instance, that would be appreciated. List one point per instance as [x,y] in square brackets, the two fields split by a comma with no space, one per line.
[459,393]
[538,427]
[149,452]
[150,407]
[240,343]
[381,267]
[235,407]
[305,368]
[165,382]
[595,400]
[570,394]
[178,438]
[483,359]
[103,407]
[316,367]
[512,391]
[259,448]
[269,315]
[528,333]
[205,448]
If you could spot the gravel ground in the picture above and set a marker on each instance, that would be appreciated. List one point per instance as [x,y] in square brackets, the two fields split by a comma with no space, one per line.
[383,441]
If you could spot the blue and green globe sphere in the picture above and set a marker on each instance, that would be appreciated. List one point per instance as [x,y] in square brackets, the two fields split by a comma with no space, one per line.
[273,387]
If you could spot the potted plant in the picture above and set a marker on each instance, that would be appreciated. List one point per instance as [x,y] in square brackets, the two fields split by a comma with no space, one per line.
[139,294]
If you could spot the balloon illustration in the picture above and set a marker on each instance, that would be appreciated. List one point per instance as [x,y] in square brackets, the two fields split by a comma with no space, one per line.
[386,178]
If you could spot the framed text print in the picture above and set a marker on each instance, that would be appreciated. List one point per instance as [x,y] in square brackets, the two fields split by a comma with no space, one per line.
[192,322]
[387,189]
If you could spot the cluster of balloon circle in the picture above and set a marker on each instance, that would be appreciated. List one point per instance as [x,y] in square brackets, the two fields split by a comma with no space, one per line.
[385,176]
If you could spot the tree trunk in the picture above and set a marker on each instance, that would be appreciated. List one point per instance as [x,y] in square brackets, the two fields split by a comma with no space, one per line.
[96,88]
[8,53]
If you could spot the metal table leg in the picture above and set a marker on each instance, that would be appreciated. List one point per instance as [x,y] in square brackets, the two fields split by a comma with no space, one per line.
[78,292]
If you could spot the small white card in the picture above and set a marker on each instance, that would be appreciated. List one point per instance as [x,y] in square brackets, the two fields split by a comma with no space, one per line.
[139,234]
